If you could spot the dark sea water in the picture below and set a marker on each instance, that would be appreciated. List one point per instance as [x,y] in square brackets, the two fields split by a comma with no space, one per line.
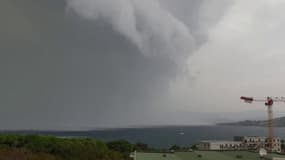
[164,137]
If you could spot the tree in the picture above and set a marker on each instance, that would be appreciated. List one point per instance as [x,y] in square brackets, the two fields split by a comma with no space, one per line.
[141,147]
[174,147]
[121,146]
[194,147]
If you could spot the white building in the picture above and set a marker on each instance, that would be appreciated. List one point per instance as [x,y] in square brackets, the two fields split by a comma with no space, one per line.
[251,142]
[241,143]
[220,145]
[255,142]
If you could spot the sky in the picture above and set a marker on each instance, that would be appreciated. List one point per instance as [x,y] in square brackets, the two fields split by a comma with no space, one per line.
[86,64]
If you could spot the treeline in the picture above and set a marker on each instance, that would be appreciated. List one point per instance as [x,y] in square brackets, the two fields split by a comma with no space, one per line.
[40,147]
[33,147]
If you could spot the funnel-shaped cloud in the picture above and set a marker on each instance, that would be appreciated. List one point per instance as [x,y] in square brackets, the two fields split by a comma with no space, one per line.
[154,30]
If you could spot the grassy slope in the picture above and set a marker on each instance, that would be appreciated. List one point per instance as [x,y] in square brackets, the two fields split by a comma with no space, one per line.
[156,156]
[206,155]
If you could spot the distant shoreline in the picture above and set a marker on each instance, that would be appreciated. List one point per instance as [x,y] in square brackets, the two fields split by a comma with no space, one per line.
[104,128]
[277,122]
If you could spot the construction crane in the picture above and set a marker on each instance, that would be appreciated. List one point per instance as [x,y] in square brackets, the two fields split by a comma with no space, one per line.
[268,101]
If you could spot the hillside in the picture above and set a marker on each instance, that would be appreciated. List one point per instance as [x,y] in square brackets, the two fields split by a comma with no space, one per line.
[17,154]
[36,147]
[277,122]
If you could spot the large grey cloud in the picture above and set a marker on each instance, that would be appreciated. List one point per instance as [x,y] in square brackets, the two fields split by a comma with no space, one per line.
[242,56]
[83,64]
[61,71]
[154,30]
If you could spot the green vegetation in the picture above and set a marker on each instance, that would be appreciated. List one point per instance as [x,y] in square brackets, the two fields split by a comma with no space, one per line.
[121,146]
[239,156]
[141,147]
[16,154]
[204,155]
[36,147]
[157,156]
[175,148]
[33,147]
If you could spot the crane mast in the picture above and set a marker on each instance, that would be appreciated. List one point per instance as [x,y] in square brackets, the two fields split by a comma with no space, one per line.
[269,103]
[270,127]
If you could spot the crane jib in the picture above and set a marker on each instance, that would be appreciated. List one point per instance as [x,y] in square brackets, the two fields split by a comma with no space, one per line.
[268,101]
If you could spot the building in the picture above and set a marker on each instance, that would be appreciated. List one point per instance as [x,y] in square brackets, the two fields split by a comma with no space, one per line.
[251,142]
[255,142]
[241,143]
[220,145]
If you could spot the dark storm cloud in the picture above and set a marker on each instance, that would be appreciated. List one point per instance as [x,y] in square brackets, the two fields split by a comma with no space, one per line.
[152,29]
[109,79]
[81,64]
[59,70]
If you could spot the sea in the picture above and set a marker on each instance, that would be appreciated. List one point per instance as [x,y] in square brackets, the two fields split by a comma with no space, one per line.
[162,137]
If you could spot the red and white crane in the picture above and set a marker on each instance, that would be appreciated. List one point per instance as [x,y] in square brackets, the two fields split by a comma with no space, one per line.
[268,101]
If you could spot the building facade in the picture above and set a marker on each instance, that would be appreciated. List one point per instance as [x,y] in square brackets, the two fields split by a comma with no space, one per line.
[255,142]
[242,143]
[220,145]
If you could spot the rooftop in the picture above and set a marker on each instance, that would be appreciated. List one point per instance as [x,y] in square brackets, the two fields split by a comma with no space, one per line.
[219,141]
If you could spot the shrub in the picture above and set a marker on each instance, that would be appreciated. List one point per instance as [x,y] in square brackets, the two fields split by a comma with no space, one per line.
[65,148]
[239,156]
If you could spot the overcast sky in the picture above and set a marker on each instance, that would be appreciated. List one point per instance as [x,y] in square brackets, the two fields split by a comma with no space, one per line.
[83,64]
